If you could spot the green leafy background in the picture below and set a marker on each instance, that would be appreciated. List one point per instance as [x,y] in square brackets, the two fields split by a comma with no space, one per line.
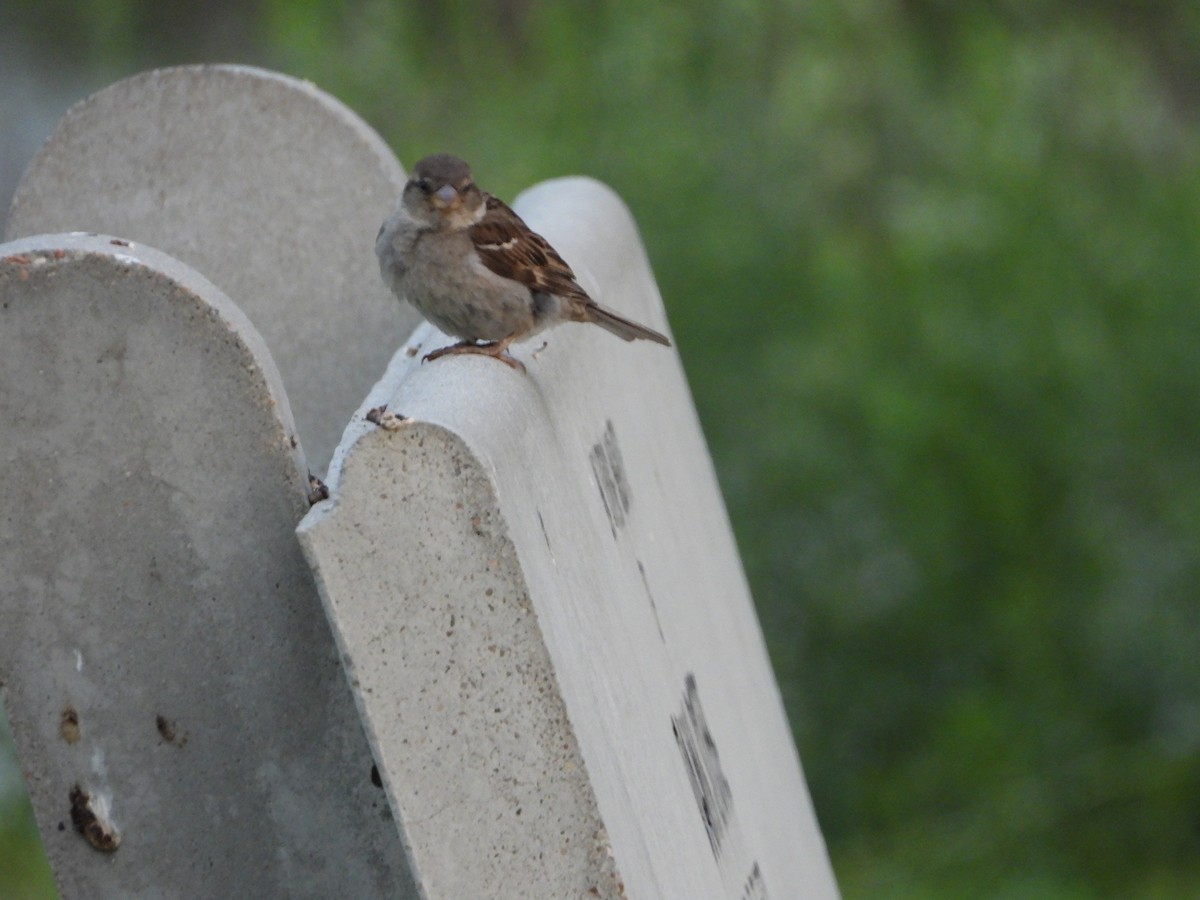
[933,271]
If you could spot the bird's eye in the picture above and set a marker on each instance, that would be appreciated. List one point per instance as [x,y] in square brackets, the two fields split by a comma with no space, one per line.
[422,184]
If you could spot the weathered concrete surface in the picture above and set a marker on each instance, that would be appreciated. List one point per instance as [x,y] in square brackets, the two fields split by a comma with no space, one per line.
[163,647]
[536,591]
[269,187]
[440,636]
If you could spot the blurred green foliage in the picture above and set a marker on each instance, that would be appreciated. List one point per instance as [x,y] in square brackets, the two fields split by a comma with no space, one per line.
[24,872]
[933,270]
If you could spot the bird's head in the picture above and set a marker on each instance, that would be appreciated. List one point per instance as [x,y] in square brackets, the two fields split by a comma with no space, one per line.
[442,194]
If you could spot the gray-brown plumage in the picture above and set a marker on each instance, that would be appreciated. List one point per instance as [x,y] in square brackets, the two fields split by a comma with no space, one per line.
[475,270]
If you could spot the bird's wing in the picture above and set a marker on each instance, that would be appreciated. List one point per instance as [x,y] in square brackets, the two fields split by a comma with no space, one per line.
[508,247]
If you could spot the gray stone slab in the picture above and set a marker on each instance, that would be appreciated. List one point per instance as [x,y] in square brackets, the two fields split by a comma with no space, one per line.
[269,187]
[175,694]
[535,588]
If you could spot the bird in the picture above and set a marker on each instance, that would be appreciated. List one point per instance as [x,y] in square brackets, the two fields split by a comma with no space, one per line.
[473,268]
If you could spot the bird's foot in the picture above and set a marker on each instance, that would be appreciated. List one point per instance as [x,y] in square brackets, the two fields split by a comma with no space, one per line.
[495,349]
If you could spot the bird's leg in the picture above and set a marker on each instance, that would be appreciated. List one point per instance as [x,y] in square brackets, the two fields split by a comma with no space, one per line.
[460,347]
[495,349]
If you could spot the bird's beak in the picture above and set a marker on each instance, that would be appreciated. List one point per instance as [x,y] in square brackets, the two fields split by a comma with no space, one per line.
[445,196]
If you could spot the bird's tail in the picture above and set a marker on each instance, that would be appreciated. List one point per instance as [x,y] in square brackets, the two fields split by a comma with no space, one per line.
[622,327]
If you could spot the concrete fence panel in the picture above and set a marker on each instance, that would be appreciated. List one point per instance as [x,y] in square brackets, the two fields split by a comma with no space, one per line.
[542,612]
[270,187]
[176,697]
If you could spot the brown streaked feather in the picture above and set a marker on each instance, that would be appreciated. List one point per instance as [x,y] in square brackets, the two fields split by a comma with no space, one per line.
[508,247]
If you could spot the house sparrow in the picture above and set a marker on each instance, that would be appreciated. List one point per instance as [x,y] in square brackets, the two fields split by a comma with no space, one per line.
[475,270]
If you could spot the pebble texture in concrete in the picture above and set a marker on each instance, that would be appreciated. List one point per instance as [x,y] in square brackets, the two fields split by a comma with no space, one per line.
[269,187]
[174,690]
[537,593]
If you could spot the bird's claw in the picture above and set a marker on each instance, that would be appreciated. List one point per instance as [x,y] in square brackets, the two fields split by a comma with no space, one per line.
[494,349]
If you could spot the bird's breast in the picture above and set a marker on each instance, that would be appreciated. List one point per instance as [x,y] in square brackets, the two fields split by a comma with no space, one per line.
[444,279]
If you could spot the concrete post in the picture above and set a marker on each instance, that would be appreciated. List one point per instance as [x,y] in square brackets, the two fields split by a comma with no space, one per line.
[540,605]
[177,702]
[270,187]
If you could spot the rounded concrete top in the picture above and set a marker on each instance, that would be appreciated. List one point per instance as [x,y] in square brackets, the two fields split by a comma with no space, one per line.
[269,187]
